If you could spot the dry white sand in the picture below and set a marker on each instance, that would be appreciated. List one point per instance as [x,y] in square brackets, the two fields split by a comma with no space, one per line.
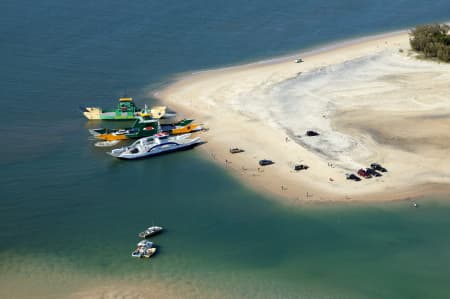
[369,101]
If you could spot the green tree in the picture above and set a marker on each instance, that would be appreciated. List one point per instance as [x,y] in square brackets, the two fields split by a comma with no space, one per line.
[432,40]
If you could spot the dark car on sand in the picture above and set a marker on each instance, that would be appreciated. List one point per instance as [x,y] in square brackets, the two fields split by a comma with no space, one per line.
[362,173]
[236,150]
[265,162]
[352,176]
[376,166]
[373,172]
[300,167]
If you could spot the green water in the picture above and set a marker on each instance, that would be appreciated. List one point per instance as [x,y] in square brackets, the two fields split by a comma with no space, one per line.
[220,238]
[60,233]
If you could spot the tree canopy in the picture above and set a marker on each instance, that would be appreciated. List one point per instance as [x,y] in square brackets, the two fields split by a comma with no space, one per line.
[433,41]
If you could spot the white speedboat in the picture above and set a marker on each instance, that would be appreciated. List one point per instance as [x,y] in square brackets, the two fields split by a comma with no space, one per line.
[152,230]
[155,145]
[106,143]
[144,249]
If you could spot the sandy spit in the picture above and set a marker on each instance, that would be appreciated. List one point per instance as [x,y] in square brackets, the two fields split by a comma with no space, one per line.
[371,100]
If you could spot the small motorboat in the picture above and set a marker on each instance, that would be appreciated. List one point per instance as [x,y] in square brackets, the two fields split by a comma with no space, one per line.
[144,249]
[149,252]
[106,143]
[152,230]
[144,126]
[181,129]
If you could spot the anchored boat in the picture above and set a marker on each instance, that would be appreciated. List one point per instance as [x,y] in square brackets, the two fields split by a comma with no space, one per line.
[144,126]
[127,110]
[155,145]
[144,249]
[152,230]
[106,143]
[181,128]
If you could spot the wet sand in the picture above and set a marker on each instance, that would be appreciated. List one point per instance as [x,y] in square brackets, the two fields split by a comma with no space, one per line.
[57,277]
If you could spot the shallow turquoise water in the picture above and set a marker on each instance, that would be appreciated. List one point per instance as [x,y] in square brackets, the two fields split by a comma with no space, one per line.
[241,244]
[79,210]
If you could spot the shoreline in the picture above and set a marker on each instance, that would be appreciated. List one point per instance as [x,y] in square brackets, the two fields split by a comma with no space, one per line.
[309,51]
[241,105]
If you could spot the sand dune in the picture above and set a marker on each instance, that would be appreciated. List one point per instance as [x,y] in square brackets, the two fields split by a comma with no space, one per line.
[371,100]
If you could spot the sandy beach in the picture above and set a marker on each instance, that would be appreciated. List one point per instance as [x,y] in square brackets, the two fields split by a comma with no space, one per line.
[371,100]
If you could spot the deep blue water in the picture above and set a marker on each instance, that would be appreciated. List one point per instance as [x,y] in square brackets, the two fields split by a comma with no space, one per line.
[70,201]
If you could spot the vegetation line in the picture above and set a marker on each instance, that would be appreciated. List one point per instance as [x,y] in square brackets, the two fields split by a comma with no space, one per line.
[433,41]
